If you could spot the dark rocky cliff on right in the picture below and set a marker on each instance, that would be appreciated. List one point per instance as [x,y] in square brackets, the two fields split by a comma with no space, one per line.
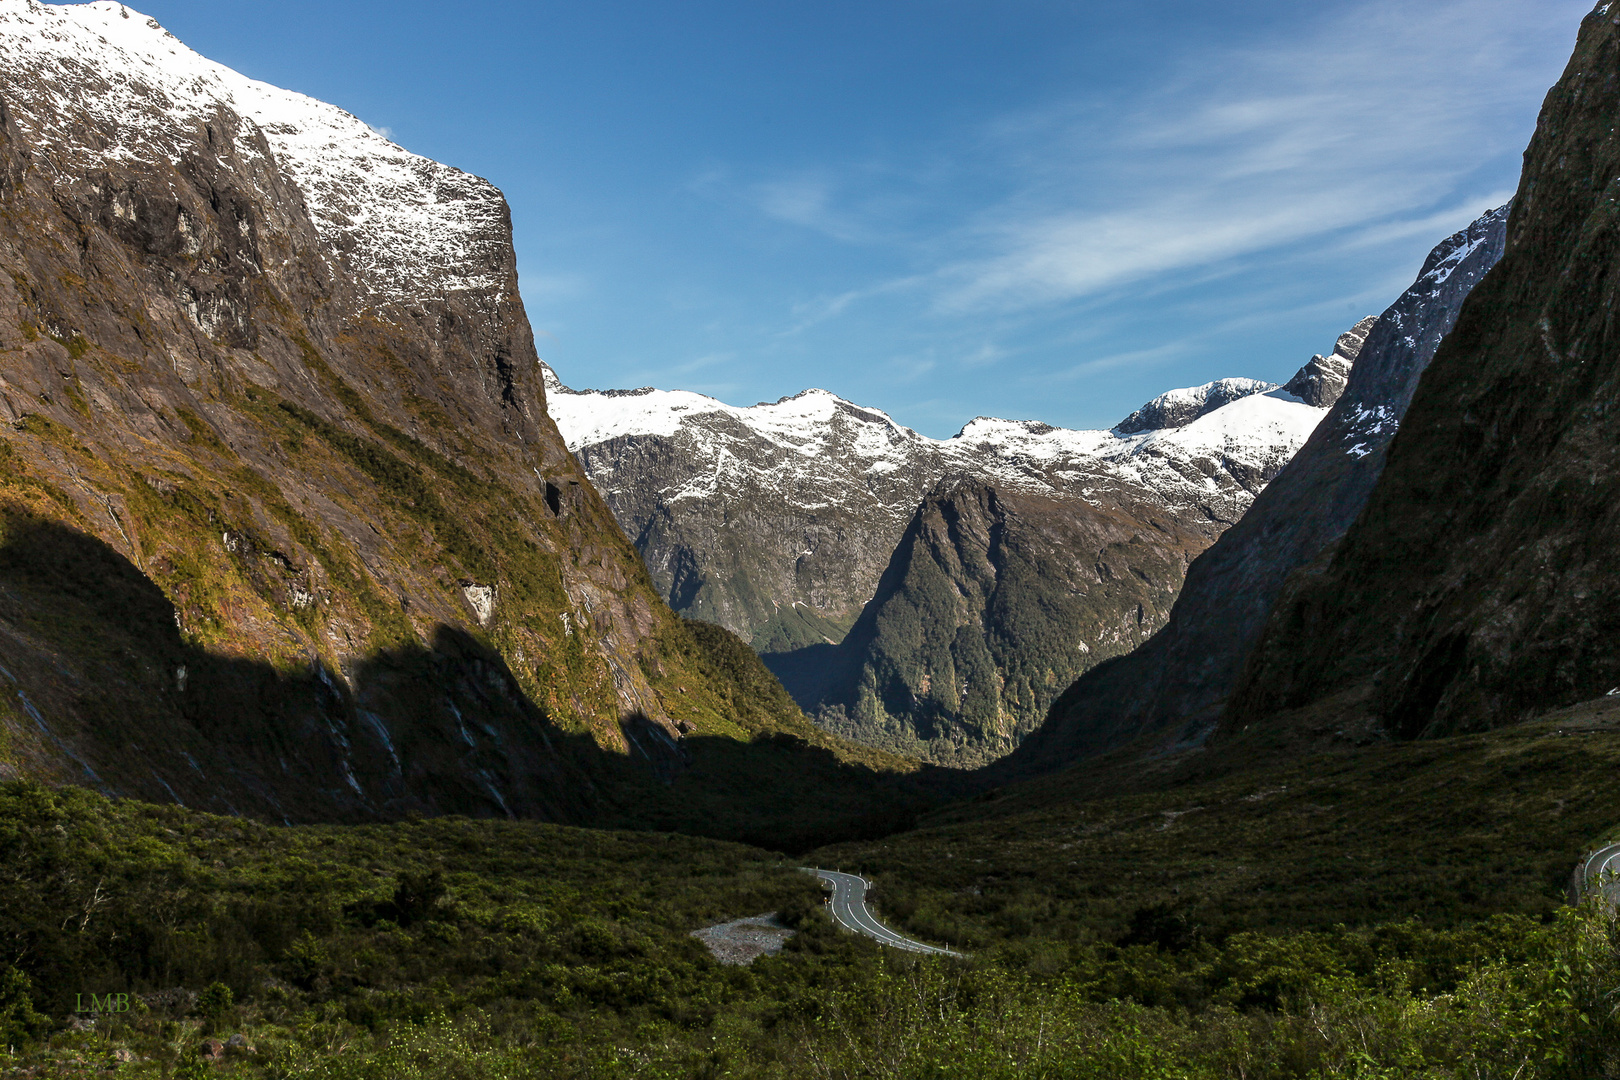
[1480,584]
[1176,684]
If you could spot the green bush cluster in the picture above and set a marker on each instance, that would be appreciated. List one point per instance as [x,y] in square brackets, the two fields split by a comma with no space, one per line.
[454,948]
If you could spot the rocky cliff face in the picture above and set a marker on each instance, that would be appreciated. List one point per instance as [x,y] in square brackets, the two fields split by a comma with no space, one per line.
[1478,585]
[284,526]
[780,513]
[994,599]
[1321,381]
[1178,682]
[987,570]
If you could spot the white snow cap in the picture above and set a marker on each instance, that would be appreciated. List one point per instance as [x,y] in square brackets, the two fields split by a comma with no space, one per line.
[1258,428]
[803,422]
[409,228]
[1177,408]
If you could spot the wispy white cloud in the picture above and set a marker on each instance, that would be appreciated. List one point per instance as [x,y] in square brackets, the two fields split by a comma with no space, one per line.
[985,355]
[808,201]
[813,312]
[1363,128]
[542,289]
[1431,227]
[1368,123]
[1134,359]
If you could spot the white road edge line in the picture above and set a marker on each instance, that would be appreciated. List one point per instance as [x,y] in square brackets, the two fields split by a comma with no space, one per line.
[1609,853]
[860,918]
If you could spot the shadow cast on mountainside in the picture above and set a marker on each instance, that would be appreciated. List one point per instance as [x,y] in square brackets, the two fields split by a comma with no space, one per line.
[99,686]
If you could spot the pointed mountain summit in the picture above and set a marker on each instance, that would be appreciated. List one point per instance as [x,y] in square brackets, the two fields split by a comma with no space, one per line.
[1323,379]
[1178,408]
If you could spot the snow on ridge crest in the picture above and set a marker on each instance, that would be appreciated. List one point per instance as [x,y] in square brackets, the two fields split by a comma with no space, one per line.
[804,422]
[408,228]
[1450,253]
[831,442]
[1177,408]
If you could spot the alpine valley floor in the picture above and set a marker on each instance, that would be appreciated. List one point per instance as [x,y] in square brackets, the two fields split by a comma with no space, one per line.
[1394,905]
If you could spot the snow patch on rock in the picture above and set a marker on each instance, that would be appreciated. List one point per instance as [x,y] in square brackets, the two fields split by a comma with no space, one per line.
[830,443]
[406,226]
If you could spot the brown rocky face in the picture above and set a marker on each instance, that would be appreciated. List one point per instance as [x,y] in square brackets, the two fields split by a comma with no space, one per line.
[285,528]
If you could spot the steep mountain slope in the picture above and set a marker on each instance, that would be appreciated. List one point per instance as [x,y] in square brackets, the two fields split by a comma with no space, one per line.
[1479,586]
[1014,555]
[996,598]
[782,516]
[746,516]
[1180,679]
[284,526]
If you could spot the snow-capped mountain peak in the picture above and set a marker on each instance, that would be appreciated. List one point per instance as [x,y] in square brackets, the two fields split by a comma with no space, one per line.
[1026,454]
[1177,408]
[799,501]
[400,222]
[807,423]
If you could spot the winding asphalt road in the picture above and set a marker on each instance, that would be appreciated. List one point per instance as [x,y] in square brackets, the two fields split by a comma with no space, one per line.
[850,910]
[1605,860]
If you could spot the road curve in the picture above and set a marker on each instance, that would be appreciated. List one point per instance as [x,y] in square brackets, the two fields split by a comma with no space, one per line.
[1594,868]
[850,911]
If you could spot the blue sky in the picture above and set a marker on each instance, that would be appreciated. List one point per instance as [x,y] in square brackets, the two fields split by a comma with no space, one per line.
[943,209]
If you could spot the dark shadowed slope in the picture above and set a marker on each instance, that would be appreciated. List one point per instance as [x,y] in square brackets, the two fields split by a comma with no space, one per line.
[285,528]
[1180,679]
[1480,584]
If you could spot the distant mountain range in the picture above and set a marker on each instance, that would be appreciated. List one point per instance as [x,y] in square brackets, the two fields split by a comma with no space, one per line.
[974,576]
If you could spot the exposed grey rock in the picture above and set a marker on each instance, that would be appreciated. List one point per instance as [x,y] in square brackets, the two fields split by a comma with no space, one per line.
[1322,380]
[1180,679]
[1178,408]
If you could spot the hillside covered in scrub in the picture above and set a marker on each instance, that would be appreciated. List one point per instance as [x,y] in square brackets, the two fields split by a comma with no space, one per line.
[452,947]
[285,529]
[344,733]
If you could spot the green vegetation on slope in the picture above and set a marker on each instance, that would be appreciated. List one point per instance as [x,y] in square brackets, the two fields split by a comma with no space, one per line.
[991,604]
[796,627]
[1450,831]
[1387,911]
[759,771]
[147,701]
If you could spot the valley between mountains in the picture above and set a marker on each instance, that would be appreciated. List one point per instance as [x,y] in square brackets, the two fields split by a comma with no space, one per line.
[932,597]
[375,704]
